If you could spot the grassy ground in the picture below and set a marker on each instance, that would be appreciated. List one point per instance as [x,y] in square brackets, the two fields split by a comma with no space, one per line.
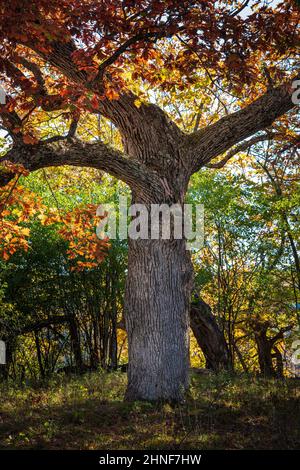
[88,413]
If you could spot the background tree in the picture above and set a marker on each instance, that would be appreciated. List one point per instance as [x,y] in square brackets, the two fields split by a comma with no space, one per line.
[246,271]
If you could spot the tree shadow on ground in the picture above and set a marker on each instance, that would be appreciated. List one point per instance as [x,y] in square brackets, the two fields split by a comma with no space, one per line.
[230,416]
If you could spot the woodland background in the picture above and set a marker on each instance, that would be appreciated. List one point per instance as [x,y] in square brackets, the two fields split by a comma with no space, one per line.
[62,288]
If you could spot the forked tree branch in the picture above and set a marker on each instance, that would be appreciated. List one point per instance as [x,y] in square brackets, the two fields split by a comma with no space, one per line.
[202,146]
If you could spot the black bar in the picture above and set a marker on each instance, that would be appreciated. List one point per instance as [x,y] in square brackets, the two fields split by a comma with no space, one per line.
[143,459]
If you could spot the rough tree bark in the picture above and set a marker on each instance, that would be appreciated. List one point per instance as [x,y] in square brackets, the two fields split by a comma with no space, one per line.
[268,352]
[160,277]
[157,163]
[209,337]
[157,319]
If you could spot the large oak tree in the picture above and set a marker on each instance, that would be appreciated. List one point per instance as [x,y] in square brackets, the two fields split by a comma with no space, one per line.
[87,56]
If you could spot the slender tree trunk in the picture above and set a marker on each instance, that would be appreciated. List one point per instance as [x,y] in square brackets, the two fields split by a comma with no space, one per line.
[157,305]
[241,359]
[113,344]
[94,348]
[75,343]
[39,355]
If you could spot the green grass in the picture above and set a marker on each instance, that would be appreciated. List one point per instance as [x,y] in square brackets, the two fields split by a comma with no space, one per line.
[87,412]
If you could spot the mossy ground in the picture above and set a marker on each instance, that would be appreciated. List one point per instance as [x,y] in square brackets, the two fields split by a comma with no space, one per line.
[87,412]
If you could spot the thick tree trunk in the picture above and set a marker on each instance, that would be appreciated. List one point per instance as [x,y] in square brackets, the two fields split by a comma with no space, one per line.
[157,319]
[209,337]
[279,362]
[267,349]
[264,349]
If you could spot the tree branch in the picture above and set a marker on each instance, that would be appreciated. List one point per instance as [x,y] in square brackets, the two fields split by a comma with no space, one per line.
[35,70]
[280,334]
[243,147]
[123,48]
[12,122]
[93,155]
[212,141]
[39,93]
[57,320]
[239,10]
[71,133]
